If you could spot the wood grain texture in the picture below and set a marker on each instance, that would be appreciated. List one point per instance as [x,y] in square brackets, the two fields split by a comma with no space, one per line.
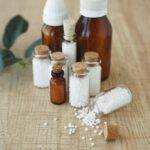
[23,108]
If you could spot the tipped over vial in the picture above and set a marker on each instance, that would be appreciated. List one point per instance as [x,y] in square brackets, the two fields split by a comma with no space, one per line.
[112,100]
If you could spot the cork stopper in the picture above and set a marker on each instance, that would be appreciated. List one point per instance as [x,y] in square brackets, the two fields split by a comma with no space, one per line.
[91,56]
[79,68]
[111,132]
[69,29]
[58,56]
[57,68]
[41,51]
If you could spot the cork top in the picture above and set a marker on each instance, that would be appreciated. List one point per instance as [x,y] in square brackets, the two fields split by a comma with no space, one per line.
[79,68]
[57,68]
[91,56]
[58,56]
[41,51]
[111,132]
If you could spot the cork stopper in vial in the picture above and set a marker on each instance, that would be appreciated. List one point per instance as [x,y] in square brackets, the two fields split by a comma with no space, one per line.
[58,56]
[69,29]
[41,51]
[57,68]
[79,68]
[111,132]
[91,56]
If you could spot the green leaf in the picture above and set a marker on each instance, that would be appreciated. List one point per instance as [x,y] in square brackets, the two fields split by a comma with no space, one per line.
[7,58]
[15,27]
[29,50]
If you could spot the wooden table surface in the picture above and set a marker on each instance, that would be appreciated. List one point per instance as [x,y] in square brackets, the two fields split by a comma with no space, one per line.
[24,108]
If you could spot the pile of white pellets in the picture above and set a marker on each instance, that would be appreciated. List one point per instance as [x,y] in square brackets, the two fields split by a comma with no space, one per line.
[88,117]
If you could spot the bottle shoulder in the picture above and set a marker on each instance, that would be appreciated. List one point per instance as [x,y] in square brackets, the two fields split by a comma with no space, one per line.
[88,25]
[60,80]
[52,29]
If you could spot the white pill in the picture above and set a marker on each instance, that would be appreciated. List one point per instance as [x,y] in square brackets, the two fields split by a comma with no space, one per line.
[86,129]
[55,119]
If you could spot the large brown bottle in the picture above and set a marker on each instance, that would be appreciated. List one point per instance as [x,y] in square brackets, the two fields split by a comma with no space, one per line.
[52,31]
[94,33]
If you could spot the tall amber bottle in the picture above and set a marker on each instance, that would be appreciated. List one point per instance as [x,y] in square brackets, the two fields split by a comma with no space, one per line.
[94,32]
[54,14]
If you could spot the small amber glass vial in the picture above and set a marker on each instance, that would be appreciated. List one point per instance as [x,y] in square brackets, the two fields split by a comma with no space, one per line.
[57,85]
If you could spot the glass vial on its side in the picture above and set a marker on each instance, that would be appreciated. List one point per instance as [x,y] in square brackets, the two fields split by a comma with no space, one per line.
[57,85]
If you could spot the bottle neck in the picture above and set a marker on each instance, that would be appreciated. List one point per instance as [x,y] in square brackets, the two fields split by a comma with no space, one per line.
[57,75]
[89,18]
[69,39]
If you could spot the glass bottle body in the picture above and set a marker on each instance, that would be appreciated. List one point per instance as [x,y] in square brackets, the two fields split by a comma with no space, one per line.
[58,89]
[95,34]
[41,72]
[94,69]
[79,90]
[52,36]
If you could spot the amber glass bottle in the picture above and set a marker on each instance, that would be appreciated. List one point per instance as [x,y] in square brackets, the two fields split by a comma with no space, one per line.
[94,33]
[57,86]
[52,36]
[52,31]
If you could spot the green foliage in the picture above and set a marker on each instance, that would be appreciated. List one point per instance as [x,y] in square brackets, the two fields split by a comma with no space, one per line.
[7,58]
[15,27]
[30,49]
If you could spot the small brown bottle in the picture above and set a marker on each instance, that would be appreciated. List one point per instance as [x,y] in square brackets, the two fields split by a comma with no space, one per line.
[94,32]
[52,31]
[57,85]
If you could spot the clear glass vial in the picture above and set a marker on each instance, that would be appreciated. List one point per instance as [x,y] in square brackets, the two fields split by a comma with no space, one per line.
[40,64]
[93,62]
[79,85]
[112,99]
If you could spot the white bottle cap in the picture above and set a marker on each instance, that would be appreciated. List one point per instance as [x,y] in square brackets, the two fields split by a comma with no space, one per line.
[55,12]
[93,8]
[69,29]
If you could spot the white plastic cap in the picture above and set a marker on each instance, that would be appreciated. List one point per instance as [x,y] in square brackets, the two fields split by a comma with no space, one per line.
[55,12]
[93,8]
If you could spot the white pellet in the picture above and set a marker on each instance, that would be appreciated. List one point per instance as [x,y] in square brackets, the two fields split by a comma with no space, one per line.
[86,129]
[55,119]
